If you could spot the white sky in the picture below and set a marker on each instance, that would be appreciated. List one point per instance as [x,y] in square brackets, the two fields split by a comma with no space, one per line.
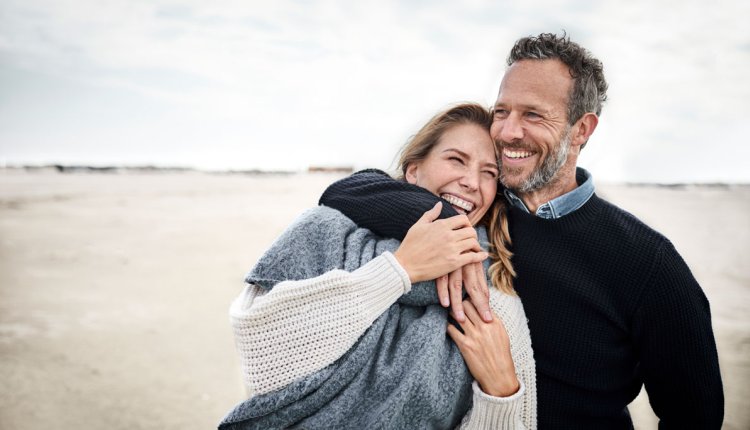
[288,84]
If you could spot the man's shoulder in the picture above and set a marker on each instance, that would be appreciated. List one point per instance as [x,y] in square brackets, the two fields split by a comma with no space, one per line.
[622,222]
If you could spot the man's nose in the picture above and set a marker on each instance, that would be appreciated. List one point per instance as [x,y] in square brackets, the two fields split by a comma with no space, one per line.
[510,128]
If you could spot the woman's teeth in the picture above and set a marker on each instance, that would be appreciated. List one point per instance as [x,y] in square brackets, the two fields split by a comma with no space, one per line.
[458,203]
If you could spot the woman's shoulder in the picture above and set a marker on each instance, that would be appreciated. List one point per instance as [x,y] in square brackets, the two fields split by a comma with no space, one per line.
[322,217]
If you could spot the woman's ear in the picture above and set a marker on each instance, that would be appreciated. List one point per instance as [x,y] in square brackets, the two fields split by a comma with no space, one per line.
[411,173]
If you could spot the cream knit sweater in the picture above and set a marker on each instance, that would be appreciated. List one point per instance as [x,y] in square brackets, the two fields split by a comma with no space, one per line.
[300,327]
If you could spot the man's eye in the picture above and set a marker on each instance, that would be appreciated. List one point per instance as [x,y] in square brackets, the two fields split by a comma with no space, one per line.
[501,113]
[533,115]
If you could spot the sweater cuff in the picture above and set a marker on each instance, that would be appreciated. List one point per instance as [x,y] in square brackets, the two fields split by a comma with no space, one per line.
[496,412]
[379,283]
[399,270]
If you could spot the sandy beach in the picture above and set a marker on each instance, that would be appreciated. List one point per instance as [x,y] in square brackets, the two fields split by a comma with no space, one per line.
[114,288]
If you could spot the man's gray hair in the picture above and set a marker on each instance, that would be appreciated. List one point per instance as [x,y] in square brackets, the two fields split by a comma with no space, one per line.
[589,89]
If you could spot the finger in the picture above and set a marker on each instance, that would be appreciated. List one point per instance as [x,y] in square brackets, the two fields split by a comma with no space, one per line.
[466,325]
[471,312]
[477,290]
[464,233]
[455,334]
[457,221]
[471,257]
[455,287]
[442,290]
[432,214]
[468,244]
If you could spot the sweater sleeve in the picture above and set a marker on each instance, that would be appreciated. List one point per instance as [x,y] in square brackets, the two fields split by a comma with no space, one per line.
[381,204]
[679,363]
[489,412]
[300,327]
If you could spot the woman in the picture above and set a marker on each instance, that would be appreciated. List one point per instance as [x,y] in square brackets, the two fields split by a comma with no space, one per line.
[366,345]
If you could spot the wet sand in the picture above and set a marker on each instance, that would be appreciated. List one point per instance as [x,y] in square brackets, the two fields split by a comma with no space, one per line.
[114,289]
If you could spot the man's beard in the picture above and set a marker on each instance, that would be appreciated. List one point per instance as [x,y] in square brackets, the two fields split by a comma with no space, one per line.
[544,174]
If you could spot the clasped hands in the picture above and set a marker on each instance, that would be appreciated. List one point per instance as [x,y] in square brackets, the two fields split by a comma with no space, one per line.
[448,251]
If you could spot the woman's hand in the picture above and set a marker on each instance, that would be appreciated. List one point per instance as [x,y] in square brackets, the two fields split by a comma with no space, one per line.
[434,247]
[450,291]
[486,350]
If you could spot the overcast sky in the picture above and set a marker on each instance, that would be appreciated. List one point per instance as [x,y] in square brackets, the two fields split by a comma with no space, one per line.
[287,84]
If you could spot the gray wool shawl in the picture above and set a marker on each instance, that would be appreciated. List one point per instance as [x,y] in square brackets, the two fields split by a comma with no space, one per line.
[404,372]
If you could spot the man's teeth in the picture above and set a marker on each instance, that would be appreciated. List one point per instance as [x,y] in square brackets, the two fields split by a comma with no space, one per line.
[516,154]
[455,201]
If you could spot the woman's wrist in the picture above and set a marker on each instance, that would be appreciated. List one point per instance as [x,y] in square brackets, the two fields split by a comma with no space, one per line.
[404,263]
[501,387]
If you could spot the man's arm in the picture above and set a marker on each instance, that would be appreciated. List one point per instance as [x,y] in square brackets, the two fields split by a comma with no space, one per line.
[673,333]
[381,204]
[389,208]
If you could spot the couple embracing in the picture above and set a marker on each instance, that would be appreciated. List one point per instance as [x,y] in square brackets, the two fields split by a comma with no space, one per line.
[488,286]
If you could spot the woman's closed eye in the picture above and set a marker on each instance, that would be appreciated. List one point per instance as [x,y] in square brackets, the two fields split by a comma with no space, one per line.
[457,160]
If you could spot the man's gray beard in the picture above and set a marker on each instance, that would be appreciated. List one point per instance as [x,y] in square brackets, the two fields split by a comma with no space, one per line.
[545,174]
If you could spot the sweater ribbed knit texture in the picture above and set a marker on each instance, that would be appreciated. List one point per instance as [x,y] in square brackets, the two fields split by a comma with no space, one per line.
[611,306]
[306,325]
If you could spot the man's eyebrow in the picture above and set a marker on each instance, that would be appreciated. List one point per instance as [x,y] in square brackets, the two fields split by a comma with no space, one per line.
[522,106]
[465,155]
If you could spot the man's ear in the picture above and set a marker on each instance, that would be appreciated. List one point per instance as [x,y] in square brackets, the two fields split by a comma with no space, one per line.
[584,128]
[411,173]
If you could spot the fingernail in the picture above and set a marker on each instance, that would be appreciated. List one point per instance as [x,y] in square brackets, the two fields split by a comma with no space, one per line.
[487,316]
[445,302]
[460,316]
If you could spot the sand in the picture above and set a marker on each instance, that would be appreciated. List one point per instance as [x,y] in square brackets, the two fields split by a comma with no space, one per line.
[114,289]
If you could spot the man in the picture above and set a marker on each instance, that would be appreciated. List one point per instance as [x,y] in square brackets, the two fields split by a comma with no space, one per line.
[611,304]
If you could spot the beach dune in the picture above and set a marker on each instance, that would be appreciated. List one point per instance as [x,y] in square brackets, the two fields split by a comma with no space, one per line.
[114,288]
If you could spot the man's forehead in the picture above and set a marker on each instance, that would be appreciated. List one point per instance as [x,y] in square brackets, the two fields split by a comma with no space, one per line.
[536,82]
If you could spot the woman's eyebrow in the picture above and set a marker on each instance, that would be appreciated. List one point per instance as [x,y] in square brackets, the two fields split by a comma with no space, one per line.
[462,153]
[493,165]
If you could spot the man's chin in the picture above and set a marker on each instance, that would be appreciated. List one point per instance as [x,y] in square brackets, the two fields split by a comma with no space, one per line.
[513,182]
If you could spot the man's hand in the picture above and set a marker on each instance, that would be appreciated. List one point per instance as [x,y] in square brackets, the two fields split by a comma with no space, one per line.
[434,247]
[450,291]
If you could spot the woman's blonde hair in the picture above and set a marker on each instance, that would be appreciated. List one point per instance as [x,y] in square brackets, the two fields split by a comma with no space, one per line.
[419,146]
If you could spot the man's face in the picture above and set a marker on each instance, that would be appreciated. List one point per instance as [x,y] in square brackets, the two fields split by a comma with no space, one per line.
[530,123]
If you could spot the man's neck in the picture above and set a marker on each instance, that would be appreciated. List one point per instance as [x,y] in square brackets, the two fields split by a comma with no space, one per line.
[562,184]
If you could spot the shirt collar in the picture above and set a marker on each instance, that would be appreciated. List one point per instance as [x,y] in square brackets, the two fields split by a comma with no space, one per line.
[564,204]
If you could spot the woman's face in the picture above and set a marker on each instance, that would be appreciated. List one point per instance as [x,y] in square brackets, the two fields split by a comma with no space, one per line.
[462,169]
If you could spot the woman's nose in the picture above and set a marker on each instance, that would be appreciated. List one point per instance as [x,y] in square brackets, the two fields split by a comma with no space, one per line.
[470,179]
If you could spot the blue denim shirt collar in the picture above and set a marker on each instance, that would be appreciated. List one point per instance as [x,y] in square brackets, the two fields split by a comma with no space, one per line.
[563,205]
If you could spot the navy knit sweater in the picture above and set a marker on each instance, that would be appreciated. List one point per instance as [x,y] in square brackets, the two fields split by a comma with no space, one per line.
[611,306]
